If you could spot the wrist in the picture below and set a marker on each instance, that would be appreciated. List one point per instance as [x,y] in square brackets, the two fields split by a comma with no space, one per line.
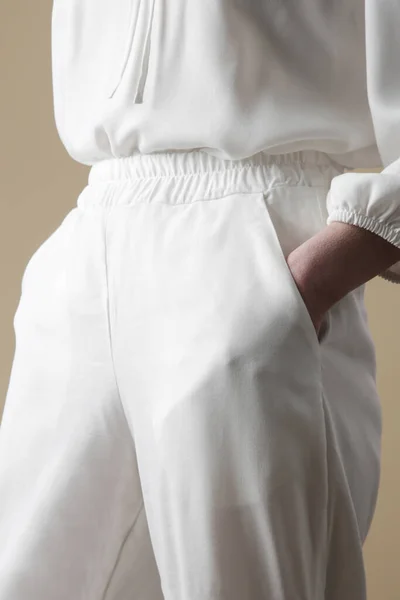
[335,261]
[317,291]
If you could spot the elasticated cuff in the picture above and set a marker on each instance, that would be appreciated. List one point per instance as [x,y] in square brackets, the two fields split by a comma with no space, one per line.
[390,234]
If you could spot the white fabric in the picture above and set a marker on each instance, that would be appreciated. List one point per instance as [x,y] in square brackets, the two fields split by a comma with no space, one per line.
[235,77]
[174,429]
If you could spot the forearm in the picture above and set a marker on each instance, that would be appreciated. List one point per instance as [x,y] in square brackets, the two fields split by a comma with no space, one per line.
[337,260]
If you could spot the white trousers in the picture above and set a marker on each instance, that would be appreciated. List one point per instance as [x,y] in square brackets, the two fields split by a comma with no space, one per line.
[174,428]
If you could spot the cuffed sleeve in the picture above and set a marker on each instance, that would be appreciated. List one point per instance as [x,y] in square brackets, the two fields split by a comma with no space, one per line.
[372,200]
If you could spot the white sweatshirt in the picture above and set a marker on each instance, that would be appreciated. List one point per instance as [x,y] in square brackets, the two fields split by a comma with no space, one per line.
[234,77]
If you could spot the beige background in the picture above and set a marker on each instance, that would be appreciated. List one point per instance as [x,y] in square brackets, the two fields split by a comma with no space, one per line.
[39,184]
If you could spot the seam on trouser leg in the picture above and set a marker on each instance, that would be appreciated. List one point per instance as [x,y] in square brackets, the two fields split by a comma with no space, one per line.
[106,214]
[120,552]
[126,537]
[335,469]
[328,488]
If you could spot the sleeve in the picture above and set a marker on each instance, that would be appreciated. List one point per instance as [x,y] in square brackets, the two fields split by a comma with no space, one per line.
[372,200]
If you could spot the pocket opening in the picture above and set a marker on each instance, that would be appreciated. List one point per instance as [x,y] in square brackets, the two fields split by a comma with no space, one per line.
[320,336]
[325,328]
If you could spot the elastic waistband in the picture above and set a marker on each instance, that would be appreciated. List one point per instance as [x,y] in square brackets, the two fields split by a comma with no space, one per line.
[189,176]
[196,162]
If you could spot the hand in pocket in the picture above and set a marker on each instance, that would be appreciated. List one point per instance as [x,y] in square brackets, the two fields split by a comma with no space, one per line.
[309,291]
